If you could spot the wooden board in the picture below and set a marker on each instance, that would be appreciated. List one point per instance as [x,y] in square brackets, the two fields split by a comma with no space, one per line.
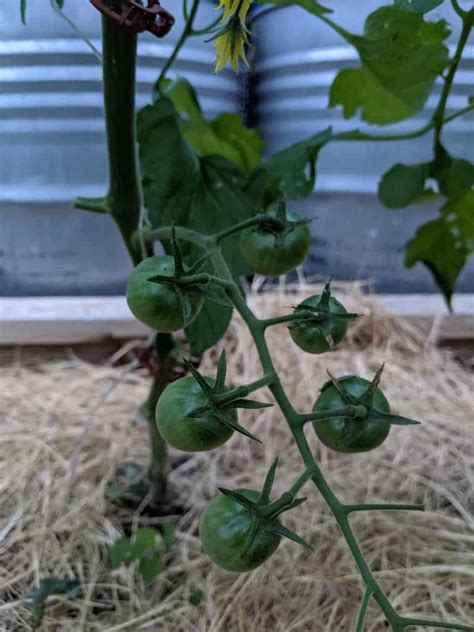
[88,320]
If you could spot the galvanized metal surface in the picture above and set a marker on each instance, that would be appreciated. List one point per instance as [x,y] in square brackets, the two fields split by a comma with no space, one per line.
[53,144]
[297,58]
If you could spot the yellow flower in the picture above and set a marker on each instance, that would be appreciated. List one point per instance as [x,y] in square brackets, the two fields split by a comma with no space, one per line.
[231,7]
[230,47]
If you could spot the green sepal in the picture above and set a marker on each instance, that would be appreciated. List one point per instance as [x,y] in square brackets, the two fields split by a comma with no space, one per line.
[239,498]
[397,420]
[248,404]
[232,424]
[177,254]
[284,532]
[268,483]
[219,386]
[368,397]
[346,396]
[207,389]
[95,205]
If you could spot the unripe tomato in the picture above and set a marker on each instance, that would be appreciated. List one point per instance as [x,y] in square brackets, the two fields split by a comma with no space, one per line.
[225,528]
[190,434]
[271,253]
[351,434]
[157,305]
[312,336]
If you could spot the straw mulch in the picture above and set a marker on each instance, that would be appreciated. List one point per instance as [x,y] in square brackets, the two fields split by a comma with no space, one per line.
[57,454]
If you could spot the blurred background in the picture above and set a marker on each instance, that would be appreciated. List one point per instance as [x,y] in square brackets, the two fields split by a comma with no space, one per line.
[53,145]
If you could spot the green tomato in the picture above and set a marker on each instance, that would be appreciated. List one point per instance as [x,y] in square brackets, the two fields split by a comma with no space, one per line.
[190,434]
[225,528]
[351,435]
[273,254]
[310,335]
[157,305]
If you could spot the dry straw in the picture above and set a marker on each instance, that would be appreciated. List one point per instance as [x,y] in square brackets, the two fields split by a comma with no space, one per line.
[424,561]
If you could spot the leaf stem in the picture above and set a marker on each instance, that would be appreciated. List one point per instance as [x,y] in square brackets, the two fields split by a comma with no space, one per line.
[438,119]
[363,611]
[187,32]
[346,411]
[383,507]
[243,391]
[123,199]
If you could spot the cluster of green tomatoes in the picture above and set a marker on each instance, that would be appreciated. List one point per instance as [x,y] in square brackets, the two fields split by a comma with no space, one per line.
[240,529]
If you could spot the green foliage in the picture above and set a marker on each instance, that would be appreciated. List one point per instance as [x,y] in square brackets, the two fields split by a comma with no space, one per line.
[196,597]
[418,6]
[435,246]
[225,135]
[145,548]
[294,168]
[401,56]
[312,6]
[60,4]
[403,184]
[445,244]
[48,587]
[191,187]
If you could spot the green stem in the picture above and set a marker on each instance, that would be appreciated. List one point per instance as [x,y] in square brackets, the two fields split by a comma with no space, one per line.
[457,7]
[186,234]
[243,391]
[293,419]
[383,507]
[346,411]
[187,32]
[439,114]
[158,467]
[252,221]
[124,196]
[363,611]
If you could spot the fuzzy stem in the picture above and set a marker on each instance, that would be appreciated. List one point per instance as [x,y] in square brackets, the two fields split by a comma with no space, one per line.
[439,114]
[187,32]
[123,200]
[124,195]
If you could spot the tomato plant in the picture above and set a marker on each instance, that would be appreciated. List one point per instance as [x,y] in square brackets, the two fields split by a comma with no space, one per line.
[228,202]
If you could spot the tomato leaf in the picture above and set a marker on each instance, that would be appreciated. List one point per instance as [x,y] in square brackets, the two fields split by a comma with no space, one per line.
[440,251]
[225,136]
[49,586]
[403,184]
[401,56]
[151,567]
[196,597]
[23,11]
[209,326]
[181,186]
[119,551]
[418,6]
[295,167]
[312,6]
[455,176]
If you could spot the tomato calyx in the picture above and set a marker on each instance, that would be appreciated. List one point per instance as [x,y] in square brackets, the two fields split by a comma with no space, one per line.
[265,512]
[364,404]
[320,316]
[188,282]
[277,221]
[221,401]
